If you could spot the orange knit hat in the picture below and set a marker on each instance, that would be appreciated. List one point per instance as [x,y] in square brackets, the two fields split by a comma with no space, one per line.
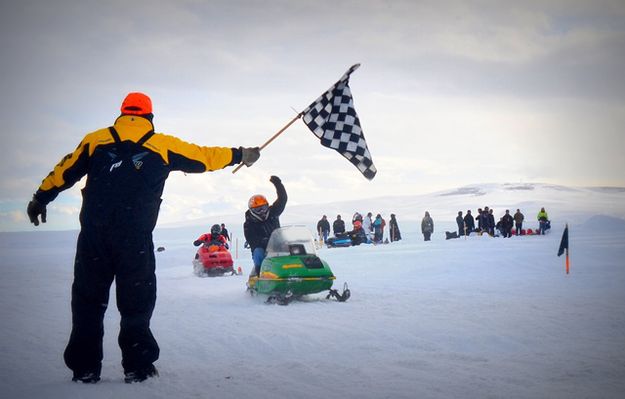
[136,104]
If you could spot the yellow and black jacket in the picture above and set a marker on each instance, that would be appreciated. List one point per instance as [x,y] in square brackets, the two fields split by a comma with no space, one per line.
[126,167]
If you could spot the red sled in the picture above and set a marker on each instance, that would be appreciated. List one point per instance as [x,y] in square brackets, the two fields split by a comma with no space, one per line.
[213,260]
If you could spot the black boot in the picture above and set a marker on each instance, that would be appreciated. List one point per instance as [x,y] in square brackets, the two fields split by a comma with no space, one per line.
[86,377]
[140,375]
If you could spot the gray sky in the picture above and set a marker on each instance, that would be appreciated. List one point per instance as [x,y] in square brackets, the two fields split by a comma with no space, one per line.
[449,93]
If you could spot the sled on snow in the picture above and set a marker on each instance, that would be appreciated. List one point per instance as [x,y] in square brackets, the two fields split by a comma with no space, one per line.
[343,240]
[339,241]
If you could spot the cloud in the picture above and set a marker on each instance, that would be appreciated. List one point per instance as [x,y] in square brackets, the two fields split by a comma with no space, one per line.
[13,217]
[449,93]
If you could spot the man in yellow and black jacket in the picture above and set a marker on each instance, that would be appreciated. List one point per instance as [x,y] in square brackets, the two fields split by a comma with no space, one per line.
[126,167]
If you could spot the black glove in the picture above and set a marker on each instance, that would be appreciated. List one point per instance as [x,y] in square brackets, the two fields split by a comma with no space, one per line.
[197,243]
[275,180]
[249,155]
[35,209]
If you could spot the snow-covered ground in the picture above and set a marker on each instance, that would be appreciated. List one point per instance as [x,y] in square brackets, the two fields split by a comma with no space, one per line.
[478,317]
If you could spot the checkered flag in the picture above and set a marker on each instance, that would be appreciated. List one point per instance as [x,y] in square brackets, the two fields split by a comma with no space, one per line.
[333,119]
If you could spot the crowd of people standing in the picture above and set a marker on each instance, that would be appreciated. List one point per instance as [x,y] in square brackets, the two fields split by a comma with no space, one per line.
[506,225]
[373,229]
[370,229]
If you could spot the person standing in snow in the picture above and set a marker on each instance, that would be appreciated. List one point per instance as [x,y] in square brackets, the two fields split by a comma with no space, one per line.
[367,225]
[378,229]
[491,222]
[427,226]
[507,222]
[518,221]
[261,219]
[126,167]
[460,223]
[394,229]
[469,222]
[338,227]
[484,221]
[479,220]
[323,228]
[224,232]
[383,227]
[543,218]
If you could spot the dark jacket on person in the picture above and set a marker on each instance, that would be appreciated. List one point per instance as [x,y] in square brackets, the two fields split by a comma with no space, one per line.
[469,222]
[338,226]
[126,167]
[394,229]
[460,223]
[507,222]
[323,226]
[257,232]
[483,221]
[491,222]
[358,236]
[427,225]
[518,218]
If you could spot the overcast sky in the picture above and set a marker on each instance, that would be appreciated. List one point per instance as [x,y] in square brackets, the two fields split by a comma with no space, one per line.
[449,93]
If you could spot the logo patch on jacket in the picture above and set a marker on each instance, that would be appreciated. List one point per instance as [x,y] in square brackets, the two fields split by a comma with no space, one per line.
[115,165]
[136,160]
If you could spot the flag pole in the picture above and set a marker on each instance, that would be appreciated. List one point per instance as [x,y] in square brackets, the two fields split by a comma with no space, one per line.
[292,121]
[568,264]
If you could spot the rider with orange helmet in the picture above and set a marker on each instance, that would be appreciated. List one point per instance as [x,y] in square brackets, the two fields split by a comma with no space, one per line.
[261,219]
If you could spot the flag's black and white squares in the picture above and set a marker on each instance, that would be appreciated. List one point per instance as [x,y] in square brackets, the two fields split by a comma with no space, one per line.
[332,118]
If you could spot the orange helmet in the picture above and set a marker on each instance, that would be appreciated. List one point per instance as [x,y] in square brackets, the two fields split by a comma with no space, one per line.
[136,104]
[257,201]
[259,207]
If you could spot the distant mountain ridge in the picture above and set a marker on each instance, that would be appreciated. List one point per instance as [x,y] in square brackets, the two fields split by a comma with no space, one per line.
[563,203]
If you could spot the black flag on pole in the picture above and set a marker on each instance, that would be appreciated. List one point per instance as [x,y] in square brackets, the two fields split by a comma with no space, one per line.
[332,118]
[564,243]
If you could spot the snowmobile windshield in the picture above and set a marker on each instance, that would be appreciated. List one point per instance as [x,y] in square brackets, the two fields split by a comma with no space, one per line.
[290,240]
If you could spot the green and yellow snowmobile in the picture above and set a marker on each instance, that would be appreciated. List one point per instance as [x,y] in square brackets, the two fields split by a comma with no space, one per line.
[292,269]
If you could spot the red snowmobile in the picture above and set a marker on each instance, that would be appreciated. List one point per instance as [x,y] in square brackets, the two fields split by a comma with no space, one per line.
[212,260]
[213,257]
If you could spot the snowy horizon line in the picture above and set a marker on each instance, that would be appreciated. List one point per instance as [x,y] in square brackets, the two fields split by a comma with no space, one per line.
[446,203]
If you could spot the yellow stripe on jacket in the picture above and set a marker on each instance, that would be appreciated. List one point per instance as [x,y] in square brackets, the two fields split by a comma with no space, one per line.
[189,157]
